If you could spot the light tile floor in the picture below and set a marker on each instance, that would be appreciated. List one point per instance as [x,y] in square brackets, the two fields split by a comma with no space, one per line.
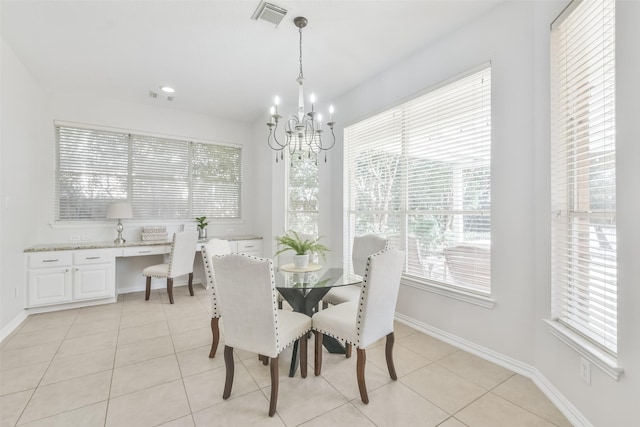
[137,363]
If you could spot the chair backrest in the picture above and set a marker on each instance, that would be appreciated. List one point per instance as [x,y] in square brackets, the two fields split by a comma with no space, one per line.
[183,252]
[246,291]
[378,296]
[363,246]
[209,249]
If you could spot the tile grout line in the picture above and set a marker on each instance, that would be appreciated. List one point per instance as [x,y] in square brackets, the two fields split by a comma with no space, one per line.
[45,371]
[113,366]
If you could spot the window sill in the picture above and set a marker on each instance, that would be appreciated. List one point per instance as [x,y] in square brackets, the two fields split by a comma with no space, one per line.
[111,223]
[607,363]
[450,292]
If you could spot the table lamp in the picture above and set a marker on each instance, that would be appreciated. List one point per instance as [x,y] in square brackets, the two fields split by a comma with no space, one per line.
[119,211]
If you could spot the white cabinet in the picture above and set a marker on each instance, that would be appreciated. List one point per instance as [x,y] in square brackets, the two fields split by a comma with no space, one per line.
[56,277]
[93,274]
[249,247]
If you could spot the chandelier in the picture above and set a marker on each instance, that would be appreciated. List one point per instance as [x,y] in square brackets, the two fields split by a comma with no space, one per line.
[302,131]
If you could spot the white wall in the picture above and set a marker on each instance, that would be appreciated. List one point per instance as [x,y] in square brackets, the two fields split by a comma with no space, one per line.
[505,38]
[28,161]
[605,402]
[135,117]
[20,115]
[515,38]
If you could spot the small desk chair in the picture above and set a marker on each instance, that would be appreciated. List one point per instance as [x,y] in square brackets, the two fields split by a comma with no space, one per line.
[183,253]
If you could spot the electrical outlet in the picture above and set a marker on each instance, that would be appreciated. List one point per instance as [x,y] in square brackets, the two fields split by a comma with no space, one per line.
[585,370]
[74,237]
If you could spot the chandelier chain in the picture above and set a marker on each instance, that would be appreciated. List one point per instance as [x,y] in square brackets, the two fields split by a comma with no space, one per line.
[301,75]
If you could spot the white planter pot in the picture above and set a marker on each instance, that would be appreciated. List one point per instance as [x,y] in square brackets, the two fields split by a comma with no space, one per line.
[301,261]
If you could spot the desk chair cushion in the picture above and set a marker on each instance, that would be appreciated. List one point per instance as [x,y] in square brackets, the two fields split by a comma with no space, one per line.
[159,271]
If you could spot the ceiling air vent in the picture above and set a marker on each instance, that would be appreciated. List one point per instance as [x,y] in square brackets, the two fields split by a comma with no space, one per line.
[269,12]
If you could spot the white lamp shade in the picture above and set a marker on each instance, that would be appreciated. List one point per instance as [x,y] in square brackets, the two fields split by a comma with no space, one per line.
[119,210]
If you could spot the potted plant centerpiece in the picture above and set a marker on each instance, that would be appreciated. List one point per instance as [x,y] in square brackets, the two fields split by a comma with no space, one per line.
[292,241]
[202,227]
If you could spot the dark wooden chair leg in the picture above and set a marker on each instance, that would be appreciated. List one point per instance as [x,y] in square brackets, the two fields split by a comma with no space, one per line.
[361,360]
[325,305]
[317,359]
[347,350]
[263,359]
[228,361]
[303,356]
[170,289]
[215,331]
[147,292]
[191,283]
[389,355]
[274,386]
[280,305]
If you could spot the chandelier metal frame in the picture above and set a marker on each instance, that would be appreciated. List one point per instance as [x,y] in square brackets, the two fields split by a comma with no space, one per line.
[302,131]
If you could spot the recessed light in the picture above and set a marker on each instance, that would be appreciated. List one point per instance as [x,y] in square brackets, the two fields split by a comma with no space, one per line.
[167,89]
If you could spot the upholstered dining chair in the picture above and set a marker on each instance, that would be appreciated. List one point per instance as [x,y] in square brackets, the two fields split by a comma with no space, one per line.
[209,249]
[363,246]
[183,252]
[364,322]
[246,292]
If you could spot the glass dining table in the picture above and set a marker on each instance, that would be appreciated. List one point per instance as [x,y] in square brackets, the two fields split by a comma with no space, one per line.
[304,290]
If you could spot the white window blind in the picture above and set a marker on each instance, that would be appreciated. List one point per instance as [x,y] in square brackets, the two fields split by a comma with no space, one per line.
[303,182]
[420,174]
[162,178]
[584,264]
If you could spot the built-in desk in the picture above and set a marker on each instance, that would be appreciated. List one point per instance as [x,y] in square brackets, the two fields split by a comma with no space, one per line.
[66,275]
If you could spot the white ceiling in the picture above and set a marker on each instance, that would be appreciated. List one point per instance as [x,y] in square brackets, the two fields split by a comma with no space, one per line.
[219,60]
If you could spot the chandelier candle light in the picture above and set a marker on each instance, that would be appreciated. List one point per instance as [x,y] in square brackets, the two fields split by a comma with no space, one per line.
[303,131]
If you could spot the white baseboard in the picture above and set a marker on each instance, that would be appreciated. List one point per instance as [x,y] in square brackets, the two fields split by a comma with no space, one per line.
[7,330]
[568,410]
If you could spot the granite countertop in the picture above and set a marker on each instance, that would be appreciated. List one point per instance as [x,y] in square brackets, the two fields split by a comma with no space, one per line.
[71,246]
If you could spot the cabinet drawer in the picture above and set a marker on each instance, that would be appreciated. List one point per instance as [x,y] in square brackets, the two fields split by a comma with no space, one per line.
[92,257]
[249,246]
[49,259]
[146,250]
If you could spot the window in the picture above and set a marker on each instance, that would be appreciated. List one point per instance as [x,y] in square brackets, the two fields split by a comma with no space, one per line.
[162,178]
[420,174]
[302,215]
[584,266]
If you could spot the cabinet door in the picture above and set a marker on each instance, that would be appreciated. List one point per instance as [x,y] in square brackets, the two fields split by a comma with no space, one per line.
[48,286]
[93,281]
